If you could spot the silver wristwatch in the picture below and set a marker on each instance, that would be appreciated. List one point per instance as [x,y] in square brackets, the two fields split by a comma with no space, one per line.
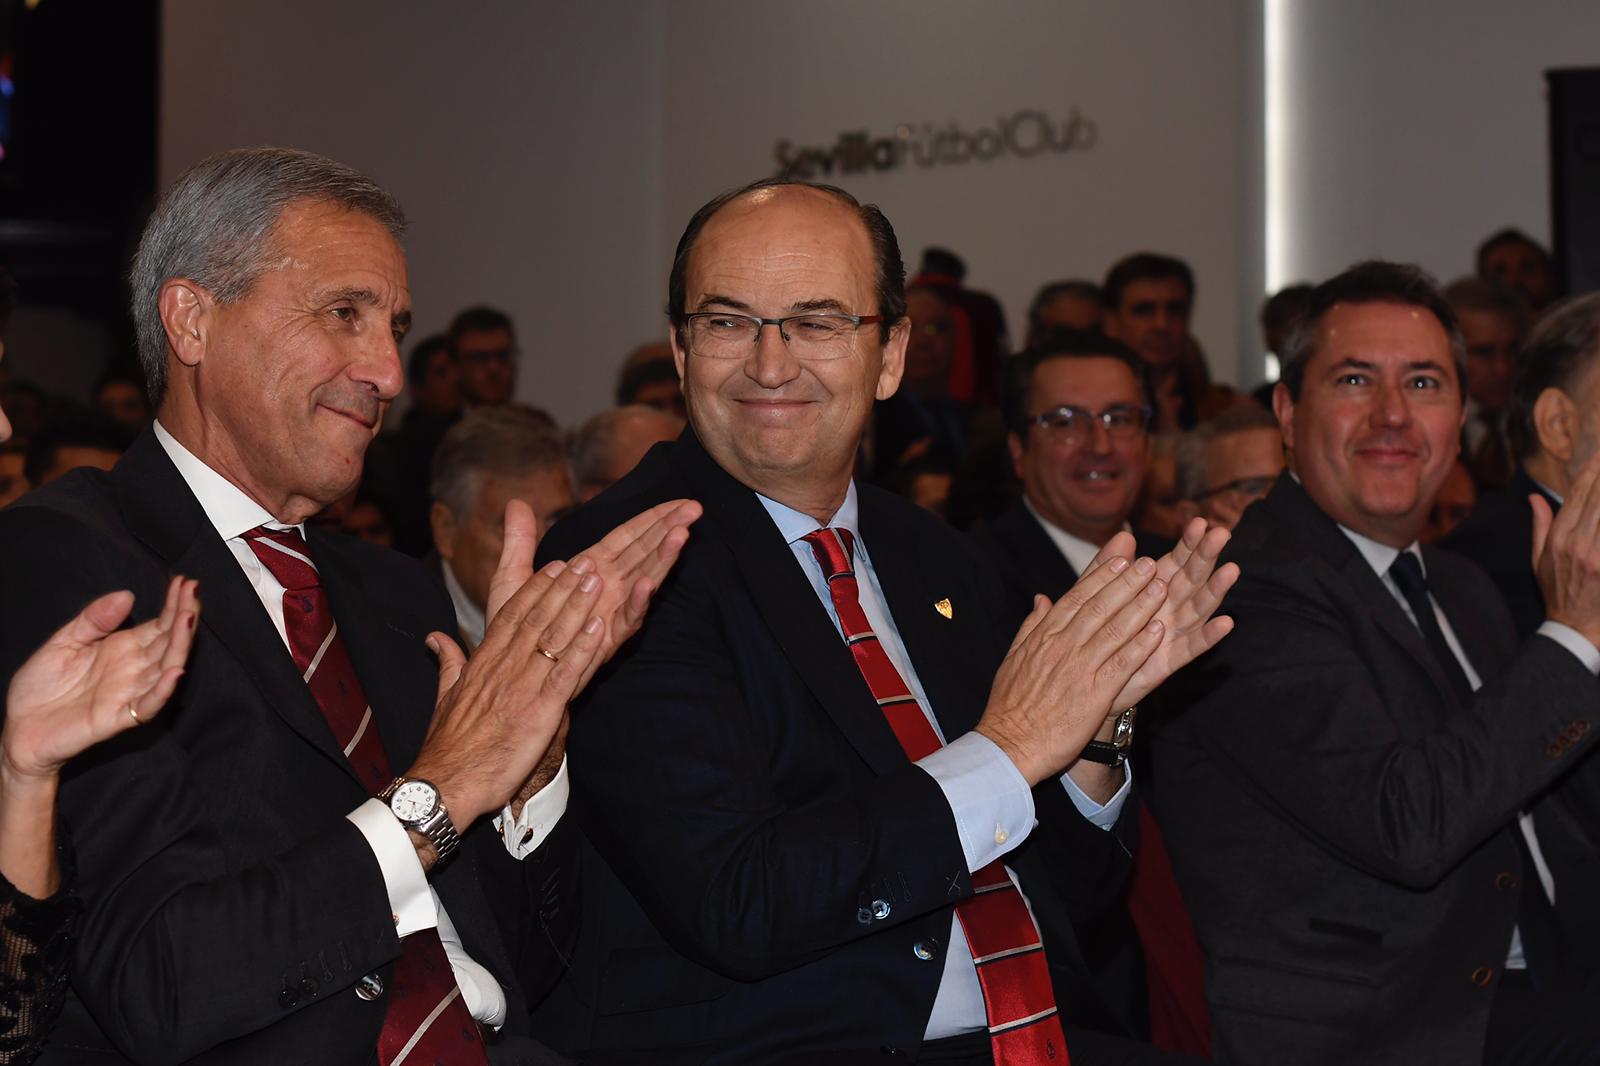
[1114,752]
[415,803]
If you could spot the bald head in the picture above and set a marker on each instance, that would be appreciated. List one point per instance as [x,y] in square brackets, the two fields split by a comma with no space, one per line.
[612,442]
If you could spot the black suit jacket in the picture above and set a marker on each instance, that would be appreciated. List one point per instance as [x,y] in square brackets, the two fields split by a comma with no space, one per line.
[1498,536]
[1029,561]
[1340,823]
[767,870]
[231,907]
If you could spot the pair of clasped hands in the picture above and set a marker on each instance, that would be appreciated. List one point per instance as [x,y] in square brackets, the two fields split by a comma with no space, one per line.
[500,724]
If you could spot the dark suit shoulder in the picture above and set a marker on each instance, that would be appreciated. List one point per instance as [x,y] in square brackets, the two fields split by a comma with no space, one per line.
[1500,524]
[655,480]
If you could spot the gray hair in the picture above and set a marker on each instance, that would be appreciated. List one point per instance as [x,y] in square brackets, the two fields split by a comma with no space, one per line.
[1564,344]
[593,444]
[1191,457]
[214,226]
[507,440]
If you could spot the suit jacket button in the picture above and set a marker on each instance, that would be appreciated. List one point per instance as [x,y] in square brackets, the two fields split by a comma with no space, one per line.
[864,916]
[370,987]
[1554,751]
[308,985]
[288,997]
[1505,880]
[925,949]
[1482,976]
[880,909]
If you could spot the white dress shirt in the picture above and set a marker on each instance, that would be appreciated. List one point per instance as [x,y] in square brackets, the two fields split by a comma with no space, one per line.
[1381,557]
[469,616]
[412,900]
[989,797]
[1079,553]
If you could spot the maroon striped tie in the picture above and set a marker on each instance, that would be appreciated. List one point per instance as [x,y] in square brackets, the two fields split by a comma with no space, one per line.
[427,1021]
[1024,1028]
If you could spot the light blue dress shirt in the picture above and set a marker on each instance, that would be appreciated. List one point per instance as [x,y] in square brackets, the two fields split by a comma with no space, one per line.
[989,797]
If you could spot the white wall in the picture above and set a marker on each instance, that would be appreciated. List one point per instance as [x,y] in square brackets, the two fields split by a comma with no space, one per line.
[522,139]
[1417,128]
[1159,79]
[550,152]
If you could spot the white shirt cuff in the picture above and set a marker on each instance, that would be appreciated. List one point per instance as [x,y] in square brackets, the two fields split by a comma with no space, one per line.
[524,834]
[410,898]
[1573,641]
[1103,815]
[987,794]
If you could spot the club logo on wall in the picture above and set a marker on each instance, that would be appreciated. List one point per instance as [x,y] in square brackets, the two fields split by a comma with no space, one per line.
[1023,134]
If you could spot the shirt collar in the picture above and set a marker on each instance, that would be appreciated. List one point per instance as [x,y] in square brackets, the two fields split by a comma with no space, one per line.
[1381,556]
[225,504]
[796,524]
[1079,553]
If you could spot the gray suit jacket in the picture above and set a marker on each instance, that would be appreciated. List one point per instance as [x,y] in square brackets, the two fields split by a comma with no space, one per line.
[1340,822]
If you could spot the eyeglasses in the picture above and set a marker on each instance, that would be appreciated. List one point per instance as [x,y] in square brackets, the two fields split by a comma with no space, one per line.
[1244,488]
[504,356]
[1070,424]
[723,335]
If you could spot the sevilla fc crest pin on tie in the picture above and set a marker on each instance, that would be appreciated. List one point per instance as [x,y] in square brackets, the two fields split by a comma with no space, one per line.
[944,608]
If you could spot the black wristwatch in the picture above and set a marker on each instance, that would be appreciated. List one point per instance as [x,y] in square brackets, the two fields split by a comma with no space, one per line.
[1114,752]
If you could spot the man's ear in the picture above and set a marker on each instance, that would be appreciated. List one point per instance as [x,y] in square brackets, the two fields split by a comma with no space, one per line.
[444,530]
[1283,408]
[1555,420]
[894,358]
[679,356]
[186,310]
[1015,447]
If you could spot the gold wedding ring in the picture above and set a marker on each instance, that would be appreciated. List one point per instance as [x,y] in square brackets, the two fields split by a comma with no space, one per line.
[548,654]
[134,714]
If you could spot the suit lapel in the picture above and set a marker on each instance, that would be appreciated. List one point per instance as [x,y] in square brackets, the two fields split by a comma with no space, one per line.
[163,513]
[789,606]
[911,580]
[1290,503]
[1047,569]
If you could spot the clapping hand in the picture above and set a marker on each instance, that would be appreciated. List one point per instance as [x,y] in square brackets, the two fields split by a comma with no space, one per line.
[1195,588]
[91,680]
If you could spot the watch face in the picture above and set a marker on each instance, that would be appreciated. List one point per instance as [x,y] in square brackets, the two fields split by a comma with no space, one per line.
[414,801]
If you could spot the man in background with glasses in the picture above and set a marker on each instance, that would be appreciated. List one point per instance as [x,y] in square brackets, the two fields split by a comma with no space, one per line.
[812,788]
[1078,411]
[1228,463]
[484,344]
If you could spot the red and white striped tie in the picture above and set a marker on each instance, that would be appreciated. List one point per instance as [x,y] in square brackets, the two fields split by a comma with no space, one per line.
[426,1021]
[1024,1028]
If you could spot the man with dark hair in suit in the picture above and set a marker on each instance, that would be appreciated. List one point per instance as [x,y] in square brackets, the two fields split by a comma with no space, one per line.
[1354,803]
[1077,412]
[310,857]
[785,860]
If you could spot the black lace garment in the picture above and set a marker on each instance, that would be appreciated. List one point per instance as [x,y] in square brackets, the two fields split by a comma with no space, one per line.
[35,943]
